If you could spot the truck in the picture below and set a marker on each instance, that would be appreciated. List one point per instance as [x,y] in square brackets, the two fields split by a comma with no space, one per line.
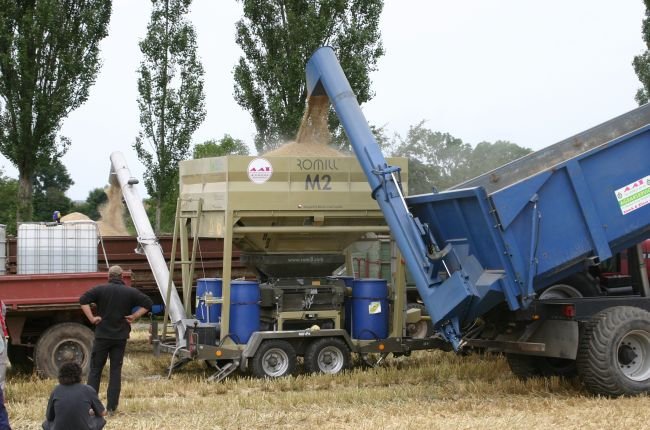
[44,321]
[481,255]
[611,277]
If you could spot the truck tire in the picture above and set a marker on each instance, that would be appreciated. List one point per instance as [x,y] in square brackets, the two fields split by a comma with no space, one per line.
[423,328]
[578,285]
[274,359]
[60,343]
[20,358]
[614,352]
[329,355]
[522,366]
[530,366]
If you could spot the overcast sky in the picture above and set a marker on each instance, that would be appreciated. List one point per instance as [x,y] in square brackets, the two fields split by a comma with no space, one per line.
[529,72]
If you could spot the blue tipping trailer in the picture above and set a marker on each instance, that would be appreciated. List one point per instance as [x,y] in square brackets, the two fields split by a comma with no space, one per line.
[541,229]
[471,250]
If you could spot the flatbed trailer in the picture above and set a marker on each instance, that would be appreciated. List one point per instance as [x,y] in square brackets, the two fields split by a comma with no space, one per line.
[45,323]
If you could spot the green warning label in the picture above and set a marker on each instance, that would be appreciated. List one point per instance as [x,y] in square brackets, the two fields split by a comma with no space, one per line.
[634,196]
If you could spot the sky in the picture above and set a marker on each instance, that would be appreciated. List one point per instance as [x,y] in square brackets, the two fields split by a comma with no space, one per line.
[532,73]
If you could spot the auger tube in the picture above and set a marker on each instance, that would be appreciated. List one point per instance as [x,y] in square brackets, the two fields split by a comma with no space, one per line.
[325,77]
[147,240]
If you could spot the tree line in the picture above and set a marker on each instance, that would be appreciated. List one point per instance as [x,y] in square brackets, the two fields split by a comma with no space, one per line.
[49,58]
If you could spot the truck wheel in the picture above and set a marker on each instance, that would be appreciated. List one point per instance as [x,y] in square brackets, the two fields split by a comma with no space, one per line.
[522,366]
[274,359]
[530,366]
[422,328]
[552,366]
[578,285]
[20,358]
[328,355]
[614,352]
[60,343]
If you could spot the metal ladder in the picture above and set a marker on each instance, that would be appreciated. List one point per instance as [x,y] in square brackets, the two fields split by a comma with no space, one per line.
[180,223]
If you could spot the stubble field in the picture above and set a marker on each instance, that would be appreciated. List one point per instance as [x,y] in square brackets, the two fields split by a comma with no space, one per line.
[428,390]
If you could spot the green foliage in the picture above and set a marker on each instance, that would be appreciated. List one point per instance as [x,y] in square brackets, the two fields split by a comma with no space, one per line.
[440,160]
[217,148]
[488,156]
[277,38]
[8,192]
[435,158]
[641,62]
[171,99]
[50,184]
[90,207]
[49,58]
[167,211]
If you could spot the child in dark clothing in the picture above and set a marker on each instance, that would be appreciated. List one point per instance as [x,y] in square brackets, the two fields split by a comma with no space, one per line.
[73,405]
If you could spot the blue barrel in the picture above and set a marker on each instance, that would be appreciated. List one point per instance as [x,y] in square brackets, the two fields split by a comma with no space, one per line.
[370,309]
[244,310]
[207,288]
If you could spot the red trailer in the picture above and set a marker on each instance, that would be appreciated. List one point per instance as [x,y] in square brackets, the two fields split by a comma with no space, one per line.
[45,323]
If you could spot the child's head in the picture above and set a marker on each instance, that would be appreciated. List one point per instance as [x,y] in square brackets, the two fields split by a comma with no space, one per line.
[70,373]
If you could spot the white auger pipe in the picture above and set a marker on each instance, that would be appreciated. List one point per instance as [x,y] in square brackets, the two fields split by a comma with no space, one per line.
[121,175]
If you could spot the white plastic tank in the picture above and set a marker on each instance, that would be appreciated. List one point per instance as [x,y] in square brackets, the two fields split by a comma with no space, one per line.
[3,249]
[68,247]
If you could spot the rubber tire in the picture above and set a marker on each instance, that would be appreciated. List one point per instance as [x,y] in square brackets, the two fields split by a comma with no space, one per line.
[318,345]
[257,365]
[584,284]
[562,367]
[530,366]
[45,360]
[423,312]
[598,351]
[20,358]
[523,366]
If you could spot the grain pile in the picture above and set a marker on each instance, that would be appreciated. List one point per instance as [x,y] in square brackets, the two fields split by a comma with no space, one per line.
[111,222]
[75,216]
[313,135]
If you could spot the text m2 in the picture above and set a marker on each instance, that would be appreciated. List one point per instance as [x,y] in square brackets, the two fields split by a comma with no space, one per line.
[315,182]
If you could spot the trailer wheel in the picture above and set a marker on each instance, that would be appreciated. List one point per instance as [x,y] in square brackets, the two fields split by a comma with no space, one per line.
[20,358]
[329,355]
[421,329]
[60,343]
[578,285]
[274,359]
[614,352]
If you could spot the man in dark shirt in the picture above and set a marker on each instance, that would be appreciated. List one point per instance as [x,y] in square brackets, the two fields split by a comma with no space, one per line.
[112,327]
[73,405]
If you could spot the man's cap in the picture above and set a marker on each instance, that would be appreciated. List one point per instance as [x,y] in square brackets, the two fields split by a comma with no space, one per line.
[115,271]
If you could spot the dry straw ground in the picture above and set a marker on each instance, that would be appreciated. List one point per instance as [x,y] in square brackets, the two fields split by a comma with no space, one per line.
[429,390]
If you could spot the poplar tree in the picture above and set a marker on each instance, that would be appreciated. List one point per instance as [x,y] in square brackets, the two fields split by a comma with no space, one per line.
[171,98]
[641,62]
[49,58]
[278,37]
